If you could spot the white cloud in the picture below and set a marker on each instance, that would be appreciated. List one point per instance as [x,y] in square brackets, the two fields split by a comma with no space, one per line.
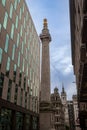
[58,24]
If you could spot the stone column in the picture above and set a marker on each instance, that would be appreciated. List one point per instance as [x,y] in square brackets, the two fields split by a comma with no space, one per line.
[45,105]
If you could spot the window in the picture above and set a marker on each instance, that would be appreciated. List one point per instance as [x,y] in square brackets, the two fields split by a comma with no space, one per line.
[8,65]
[24,83]
[19,59]
[22,49]
[15,4]
[11,10]
[16,91]
[25,38]
[27,70]
[23,8]
[13,52]
[12,31]
[27,16]
[28,82]
[1,83]
[21,97]
[20,77]
[6,43]
[18,40]
[23,65]
[18,1]
[26,54]
[9,90]
[3,2]
[0,27]
[21,31]
[24,22]
[0,55]
[16,23]
[20,14]
[14,73]
[5,20]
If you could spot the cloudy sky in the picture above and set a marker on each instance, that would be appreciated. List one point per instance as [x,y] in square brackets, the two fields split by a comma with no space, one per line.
[57,14]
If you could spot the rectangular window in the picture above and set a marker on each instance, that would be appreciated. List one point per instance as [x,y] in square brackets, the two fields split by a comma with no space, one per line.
[16,91]
[18,40]
[25,38]
[27,70]
[24,22]
[8,64]
[3,2]
[21,97]
[21,31]
[14,73]
[1,83]
[26,54]
[22,49]
[18,1]
[13,52]
[15,4]
[12,31]
[6,43]
[0,55]
[23,65]
[19,59]
[5,20]
[16,23]
[9,90]
[20,14]
[11,10]
[27,16]
[0,27]
[23,8]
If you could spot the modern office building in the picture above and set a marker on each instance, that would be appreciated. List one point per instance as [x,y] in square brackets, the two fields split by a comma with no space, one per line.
[19,67]
[78,24]
[59,119]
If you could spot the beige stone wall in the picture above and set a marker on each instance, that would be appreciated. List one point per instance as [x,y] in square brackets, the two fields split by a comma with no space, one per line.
[45,118]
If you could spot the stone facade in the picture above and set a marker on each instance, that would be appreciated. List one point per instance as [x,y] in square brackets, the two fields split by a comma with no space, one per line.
[58,110]
[65,106]
[76,112]
[78,23]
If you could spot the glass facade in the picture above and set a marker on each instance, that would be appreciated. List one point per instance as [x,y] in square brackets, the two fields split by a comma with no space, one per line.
[3,2]
[8,64]
[13,52]
[0,27]
[6,43]
[12,31]
[5,20]
[11,10]
[19,64]
[0,55]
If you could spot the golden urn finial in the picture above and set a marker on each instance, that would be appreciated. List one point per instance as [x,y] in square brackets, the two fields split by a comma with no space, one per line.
[45,22]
